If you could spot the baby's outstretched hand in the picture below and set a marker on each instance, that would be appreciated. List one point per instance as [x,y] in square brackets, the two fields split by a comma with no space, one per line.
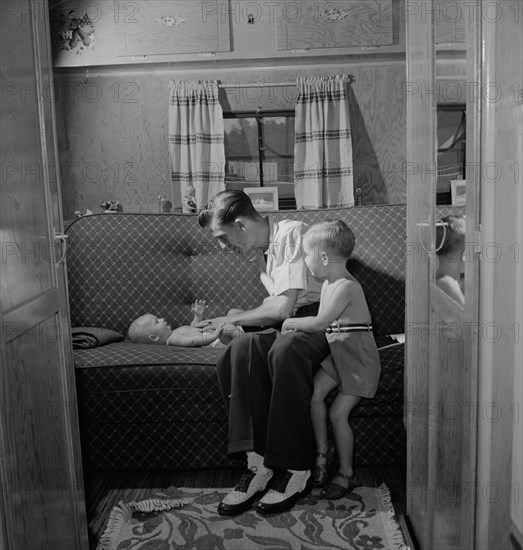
[198,308]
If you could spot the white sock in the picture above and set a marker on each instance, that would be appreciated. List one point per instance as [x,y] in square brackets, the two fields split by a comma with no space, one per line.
[254,460]
[298,472]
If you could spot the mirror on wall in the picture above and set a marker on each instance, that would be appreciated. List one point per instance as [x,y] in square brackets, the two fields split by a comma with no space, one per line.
[451,159]
[449,273]
[451,67]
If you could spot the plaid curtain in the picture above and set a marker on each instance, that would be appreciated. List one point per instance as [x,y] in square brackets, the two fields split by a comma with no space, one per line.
[323,173]
[196,143]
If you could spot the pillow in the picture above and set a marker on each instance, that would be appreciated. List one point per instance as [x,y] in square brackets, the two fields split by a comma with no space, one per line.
[383,342]
[92,337]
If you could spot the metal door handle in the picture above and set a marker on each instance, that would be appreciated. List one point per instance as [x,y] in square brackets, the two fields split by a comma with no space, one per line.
[63,239]
[437,223]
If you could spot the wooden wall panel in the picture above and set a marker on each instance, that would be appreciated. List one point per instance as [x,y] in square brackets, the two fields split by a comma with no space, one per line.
[38,511]
[248,40]
[255,40]
[501,220]
[308,24]
[421,133]
[449,424]
[42,503]
[449,21]
[25,259]
[378,122]
[159,27]
[113,129]
[112,142]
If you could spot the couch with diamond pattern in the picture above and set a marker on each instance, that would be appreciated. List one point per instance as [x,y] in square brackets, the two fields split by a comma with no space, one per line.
[159,407]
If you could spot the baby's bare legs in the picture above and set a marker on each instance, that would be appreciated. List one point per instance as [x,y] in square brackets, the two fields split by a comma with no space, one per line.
[198,308]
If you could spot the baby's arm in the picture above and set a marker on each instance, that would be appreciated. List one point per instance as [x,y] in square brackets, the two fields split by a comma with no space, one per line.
[192,336]
[303,324]
[228,331]
[198,308]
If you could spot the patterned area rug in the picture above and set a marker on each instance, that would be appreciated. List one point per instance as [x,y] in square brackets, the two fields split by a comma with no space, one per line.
[187,519]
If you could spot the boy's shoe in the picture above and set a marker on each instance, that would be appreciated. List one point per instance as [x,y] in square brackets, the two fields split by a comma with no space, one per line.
[321,472]
[252,485]
[335,491]
[286,488]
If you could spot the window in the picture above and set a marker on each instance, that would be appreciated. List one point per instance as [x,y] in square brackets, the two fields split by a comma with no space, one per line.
[451,149]
[259,152]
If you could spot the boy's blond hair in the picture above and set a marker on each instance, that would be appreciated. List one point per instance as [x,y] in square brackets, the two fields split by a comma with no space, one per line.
[454,236]
[333,236]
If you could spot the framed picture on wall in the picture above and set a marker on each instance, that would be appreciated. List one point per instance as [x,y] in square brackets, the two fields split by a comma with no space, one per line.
[457,191]
[264,199]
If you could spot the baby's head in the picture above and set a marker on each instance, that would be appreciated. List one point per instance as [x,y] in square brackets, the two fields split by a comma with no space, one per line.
[450,238]
[149,329]
[327,242]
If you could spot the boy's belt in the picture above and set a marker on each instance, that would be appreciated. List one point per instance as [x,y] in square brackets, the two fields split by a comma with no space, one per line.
[336,328]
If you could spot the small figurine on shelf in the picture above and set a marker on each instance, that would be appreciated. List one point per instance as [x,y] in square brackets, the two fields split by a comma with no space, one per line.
[164,206]
[78,214]
[189,200]
[111,207]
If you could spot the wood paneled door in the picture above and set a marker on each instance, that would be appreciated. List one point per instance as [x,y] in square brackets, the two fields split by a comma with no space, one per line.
[441,369]
[460,358]
[41,493]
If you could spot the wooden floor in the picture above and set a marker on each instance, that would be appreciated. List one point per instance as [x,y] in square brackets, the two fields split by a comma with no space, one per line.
[104,489]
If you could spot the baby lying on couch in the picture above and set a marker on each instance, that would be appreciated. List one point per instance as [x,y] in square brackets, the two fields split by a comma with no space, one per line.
[149,329]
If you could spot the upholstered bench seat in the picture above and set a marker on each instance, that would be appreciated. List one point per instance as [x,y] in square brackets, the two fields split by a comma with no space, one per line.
[159,407]
[144,396]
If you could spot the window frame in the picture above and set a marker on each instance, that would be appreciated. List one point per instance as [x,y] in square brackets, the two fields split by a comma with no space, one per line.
[260,114]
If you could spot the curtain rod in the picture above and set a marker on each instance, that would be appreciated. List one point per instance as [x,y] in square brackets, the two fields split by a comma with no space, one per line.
[256,84]
[268,84]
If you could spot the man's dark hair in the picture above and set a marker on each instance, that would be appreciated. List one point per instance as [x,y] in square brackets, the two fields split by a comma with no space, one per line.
[225,207]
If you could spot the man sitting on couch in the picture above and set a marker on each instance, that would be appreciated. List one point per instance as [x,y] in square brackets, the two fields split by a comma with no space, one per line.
[266,378]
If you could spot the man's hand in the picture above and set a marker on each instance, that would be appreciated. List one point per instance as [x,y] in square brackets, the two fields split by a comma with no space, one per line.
[289,325]
[212,324]
[274,309]
[211,333]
